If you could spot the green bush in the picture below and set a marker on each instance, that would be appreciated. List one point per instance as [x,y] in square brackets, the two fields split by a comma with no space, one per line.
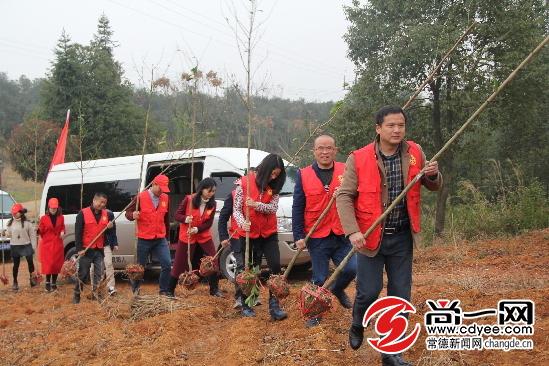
[472,214]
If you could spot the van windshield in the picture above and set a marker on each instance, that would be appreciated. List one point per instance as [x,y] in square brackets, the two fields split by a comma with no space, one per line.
[288,188]
[5,206]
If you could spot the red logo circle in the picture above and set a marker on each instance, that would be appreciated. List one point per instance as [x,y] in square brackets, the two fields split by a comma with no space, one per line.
[391,325]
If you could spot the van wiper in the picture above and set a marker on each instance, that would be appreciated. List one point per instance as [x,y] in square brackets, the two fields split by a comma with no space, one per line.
[286,193]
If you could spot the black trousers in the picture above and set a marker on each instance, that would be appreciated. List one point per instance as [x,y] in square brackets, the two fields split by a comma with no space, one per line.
[267,247]
[17,261]
[95,257]
[395,255]
[238,253]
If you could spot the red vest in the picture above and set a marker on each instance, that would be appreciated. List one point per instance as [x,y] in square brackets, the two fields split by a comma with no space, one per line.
[198,219]
[262,225]
[368,204]
[316,200]
[150,224]
[92,228]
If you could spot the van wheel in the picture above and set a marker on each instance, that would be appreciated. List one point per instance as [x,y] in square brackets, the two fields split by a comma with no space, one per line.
[227,264]
[71,254]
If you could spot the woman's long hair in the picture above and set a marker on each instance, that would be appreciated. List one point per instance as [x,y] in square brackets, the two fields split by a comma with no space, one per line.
[206,183]
[264,171]
[23,218]
[58,213]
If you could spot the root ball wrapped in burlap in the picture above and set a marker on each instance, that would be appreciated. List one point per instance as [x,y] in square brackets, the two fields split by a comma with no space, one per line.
[208,266]
[188,280]
[68,270]
[135,271]
[247,280]
[279,287]
[314,300]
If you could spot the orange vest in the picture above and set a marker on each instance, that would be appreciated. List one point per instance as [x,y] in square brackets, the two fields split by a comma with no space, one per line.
[368,205]
[316,200]
[262,225]
[92,228]
[198,219]
[150,224]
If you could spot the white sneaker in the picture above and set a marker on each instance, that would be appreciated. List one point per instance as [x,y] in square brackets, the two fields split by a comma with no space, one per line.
[112,291]
[237,303]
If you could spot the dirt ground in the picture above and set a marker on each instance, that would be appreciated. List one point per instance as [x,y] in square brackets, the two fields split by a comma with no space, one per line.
[38,328]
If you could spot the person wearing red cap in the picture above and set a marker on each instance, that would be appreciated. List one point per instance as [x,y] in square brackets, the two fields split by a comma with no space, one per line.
[51,229]
[22,241]
[153,229]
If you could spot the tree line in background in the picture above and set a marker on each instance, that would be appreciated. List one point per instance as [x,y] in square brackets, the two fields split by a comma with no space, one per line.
[108,113]
[499,163]
[394,44]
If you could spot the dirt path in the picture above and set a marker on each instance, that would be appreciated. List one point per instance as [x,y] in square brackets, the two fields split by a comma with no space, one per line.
[46,329]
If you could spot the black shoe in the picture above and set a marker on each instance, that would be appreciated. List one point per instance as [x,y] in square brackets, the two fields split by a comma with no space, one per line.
[313,322]
[76,299]
[172,284]
[169,294]
[343,299]
[54,286]
[135,287]
[216,293]
[247,311]
[275,311]
[48,287]
[356,336]
[393,360]
[15,286]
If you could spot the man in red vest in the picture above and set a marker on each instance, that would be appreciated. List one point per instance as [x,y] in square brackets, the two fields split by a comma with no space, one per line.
[90,230]
[374,176]
[153,230]
[314,187]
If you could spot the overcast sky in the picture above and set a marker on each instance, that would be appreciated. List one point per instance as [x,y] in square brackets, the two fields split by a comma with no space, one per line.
[301,52]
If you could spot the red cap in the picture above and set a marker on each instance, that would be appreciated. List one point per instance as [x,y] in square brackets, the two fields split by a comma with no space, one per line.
[162,181]
[53,203]
[16,208]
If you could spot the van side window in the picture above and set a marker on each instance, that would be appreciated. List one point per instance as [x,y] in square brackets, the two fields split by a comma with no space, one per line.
[225,184]
[119,194]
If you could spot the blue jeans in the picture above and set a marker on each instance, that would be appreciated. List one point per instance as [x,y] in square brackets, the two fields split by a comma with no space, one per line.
[334,247]
[160,249]
[395,255]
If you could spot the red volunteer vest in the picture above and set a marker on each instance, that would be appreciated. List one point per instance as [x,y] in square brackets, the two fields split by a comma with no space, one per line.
[262,225]
[150,224]
[198,219]
[92,228]
[368,205]
[316,200]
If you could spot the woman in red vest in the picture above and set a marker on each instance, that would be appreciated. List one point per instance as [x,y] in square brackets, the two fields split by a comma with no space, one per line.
[196,214]
[264,187]
[51,230]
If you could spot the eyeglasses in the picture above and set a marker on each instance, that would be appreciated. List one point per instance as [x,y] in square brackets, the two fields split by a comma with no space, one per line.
[325,148]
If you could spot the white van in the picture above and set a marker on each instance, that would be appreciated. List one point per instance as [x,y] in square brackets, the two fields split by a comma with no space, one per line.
[6,202]
[119,179]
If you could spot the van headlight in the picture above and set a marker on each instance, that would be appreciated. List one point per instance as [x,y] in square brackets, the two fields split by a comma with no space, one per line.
[284,224]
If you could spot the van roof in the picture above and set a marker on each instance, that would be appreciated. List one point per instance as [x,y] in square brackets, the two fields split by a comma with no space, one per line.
[236,156]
